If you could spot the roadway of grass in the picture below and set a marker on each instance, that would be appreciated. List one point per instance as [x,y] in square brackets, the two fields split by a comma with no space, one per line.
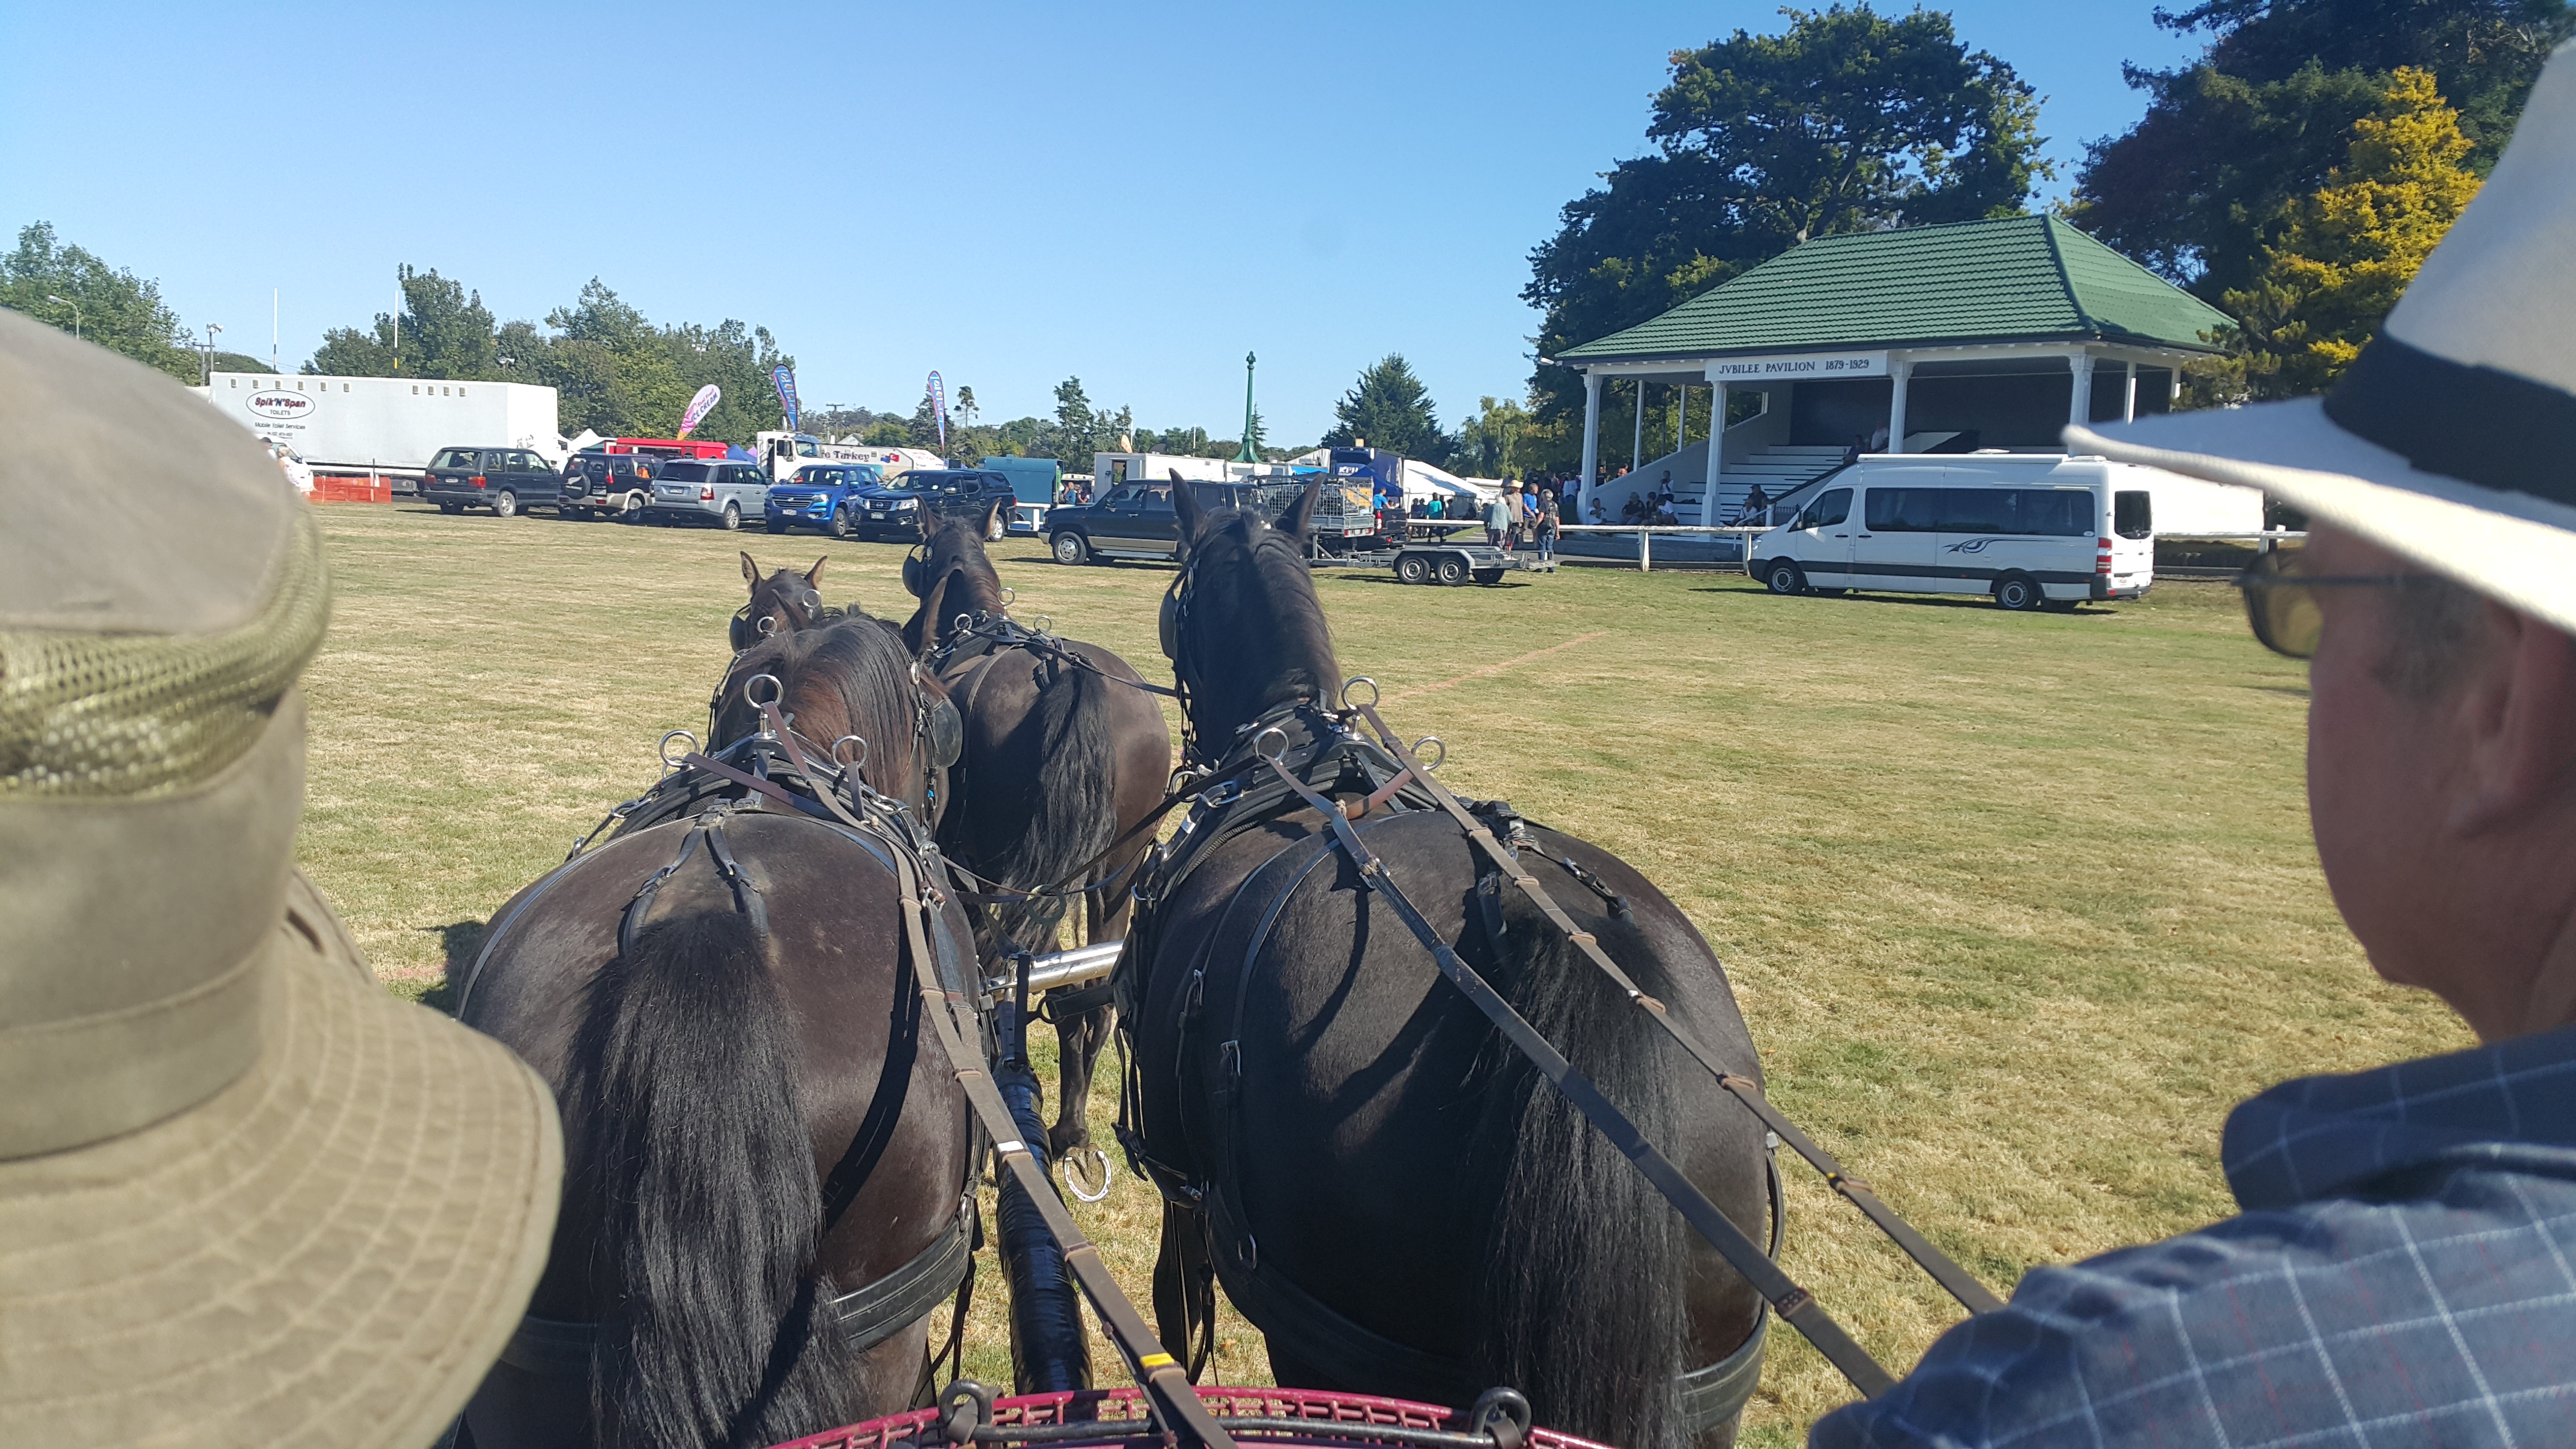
[2016,906]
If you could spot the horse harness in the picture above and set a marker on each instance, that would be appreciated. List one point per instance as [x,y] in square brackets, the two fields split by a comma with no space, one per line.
[776,768]
[1299,756]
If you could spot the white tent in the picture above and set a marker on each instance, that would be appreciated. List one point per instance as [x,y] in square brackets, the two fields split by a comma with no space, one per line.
[1421,480]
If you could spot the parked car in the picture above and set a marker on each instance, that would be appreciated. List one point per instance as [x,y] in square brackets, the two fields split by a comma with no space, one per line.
[821,495]
[505,480]
[1132,520]
[607,485]
[894,508]
[695,491]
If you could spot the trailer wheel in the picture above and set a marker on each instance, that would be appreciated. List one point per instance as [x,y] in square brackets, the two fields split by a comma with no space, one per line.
[1413,568]
[1453,571]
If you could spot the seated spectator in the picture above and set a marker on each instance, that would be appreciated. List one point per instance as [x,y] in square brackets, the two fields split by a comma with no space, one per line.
[1664,515]
[1632,508]
[1754,502]
[1596,509]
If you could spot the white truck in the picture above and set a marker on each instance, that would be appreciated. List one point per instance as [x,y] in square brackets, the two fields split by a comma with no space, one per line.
[386,427]
[782,453]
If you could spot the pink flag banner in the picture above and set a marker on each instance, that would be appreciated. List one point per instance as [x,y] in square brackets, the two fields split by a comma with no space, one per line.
[699,406]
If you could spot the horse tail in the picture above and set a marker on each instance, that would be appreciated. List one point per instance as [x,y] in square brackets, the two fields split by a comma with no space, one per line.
[1072,819]
[692,1158]
[1585,1304]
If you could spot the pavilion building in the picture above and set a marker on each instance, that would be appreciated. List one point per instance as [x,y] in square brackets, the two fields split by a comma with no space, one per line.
[1950,339]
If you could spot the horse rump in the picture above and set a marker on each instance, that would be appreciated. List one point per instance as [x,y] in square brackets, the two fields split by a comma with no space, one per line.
[690,1153]
[1586,1307]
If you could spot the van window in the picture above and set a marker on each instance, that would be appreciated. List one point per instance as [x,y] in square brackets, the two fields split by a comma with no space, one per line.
[685,472]
[453,458]
[1904,510]
[2133,515]
[2043,512]
[1831,507]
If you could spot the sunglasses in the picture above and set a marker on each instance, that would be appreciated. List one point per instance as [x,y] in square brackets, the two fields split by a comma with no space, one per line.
[2281,602]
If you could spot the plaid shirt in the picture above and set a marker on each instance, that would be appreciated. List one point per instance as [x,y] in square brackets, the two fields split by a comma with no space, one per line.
[2404,1273]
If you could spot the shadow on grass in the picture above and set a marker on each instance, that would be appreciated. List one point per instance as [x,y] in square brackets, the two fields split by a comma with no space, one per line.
[1389,578]
[459,941]
[2295,691]
[1914,601]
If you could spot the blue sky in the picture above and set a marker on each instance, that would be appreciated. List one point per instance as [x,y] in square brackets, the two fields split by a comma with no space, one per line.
[1135,193]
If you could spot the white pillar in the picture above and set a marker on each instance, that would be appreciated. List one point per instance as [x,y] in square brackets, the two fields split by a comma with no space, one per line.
[2079,399]
[1716,454]
[1637,443]
[1901,371]
[2129,397]
[1591,430]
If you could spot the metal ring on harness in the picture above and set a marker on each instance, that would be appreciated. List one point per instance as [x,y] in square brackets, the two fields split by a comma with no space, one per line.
[963,623]
[765,625]
[1354,682]
[1432,764]
[1271,743]
[835,752]
[1010,596]
[777,692]
[664,749]
[1108,1179]
[1046,623]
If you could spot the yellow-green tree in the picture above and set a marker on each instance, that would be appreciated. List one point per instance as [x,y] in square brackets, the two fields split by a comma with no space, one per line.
[2343,254]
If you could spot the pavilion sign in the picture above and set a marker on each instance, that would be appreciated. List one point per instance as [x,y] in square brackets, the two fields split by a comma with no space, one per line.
[1799,367]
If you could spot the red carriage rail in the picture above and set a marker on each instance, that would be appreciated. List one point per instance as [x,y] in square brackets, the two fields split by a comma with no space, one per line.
[1267,1416]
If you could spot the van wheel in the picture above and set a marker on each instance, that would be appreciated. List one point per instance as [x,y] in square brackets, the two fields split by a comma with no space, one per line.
[1453,571]
[841,524]
[2020,593]
[1413,568]
[505,504]
[732,519]
[1785,578]
[1070,549]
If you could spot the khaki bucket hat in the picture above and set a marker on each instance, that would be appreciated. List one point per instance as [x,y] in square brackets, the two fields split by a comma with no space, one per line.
[246,1197]
[2451,440]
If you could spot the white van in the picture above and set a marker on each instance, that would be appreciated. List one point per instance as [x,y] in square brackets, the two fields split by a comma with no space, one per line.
[2036,530]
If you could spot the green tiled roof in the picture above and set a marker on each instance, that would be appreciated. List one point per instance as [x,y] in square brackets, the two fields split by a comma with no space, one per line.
[2018,278]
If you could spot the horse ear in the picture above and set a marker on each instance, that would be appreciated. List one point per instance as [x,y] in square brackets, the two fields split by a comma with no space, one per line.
[1294,520]
[1185,502]
[750,570]
[813,575]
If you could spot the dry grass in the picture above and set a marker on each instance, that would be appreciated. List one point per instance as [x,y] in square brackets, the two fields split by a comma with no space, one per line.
[2016,906]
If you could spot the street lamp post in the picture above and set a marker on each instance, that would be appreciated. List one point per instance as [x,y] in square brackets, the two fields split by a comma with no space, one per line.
[207,376]
[76,313]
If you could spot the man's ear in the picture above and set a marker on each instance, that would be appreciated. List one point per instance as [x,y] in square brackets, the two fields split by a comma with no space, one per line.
[1185,502]
[814,575]
[1294,520]
[2517,706]
[750,570]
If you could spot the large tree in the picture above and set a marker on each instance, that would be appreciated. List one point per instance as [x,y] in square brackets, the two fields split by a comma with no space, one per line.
[1847,121]
[1390,408]
[2343,254]
[115,309]
[2197,189]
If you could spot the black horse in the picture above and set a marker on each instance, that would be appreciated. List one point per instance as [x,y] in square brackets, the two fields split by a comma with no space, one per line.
[768,1178]
[1393,1196]
[1064,755]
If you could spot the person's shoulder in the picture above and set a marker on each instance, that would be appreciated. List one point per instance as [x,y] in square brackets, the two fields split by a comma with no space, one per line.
[2454,1308]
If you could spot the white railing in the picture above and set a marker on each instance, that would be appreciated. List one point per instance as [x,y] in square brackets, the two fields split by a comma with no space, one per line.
[1644,533]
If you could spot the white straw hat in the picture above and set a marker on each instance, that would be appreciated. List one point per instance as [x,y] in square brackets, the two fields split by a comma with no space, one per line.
[2451,440]
[246,1197]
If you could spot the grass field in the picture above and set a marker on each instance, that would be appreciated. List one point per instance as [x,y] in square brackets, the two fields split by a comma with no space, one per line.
[2017,906]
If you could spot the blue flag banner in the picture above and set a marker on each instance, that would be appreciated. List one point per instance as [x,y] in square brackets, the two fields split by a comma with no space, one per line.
[939,409]
[785,380]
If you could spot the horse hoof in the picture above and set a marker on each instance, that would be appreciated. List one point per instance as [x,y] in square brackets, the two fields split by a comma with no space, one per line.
[1073,1184]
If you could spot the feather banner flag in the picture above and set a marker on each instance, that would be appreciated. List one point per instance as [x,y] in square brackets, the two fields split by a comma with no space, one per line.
[699,406]
[783,378]
[939,409]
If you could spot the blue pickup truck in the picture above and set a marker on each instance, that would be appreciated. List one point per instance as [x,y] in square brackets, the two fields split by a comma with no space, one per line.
[824,496]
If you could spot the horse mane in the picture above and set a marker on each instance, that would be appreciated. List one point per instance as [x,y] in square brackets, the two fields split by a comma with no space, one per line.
[957,577]
[855,671]
[1252,579]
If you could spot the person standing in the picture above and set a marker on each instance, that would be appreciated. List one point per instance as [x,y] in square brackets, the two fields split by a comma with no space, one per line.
[1547,522]
[1498,521]
[2400,1271]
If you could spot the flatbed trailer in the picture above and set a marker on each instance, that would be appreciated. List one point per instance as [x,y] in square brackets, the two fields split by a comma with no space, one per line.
[1432,553]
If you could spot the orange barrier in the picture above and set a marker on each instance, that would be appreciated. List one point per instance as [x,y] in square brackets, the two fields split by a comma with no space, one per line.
[341,488]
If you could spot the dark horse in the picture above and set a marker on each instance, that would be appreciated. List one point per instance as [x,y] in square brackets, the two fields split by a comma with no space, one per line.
[782,602]
[1386,1189]
[1064,755]
[754,1129]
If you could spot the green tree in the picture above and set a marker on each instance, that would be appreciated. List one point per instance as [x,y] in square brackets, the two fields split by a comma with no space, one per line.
[1390,408]
[443,332]
[2196,189]
[1489,443]
[2341,256]
[115,309]
[1847,121]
